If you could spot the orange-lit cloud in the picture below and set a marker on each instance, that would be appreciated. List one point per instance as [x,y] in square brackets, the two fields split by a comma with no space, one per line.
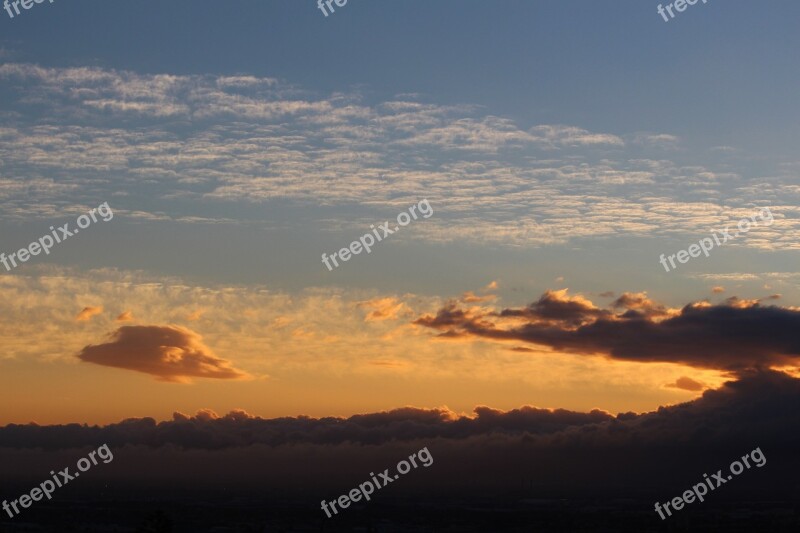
[392,364]
[169,353]
[88,312]
[639,302]
[126,316]
[471,297]
[739,303]
[281,322]
[300,333]
[388,308]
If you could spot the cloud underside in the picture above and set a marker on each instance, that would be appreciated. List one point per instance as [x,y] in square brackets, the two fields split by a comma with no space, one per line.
[168,353]
[734,336]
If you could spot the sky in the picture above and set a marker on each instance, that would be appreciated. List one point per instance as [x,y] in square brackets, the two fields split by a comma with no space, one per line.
[562,149]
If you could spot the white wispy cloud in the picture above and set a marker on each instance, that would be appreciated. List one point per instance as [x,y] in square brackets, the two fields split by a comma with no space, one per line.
[242,139]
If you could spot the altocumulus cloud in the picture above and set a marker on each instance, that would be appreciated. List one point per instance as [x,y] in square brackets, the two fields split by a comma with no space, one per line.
[170,353]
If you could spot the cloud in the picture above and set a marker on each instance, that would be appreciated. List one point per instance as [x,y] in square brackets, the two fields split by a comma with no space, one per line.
[252,139]
[760,403]
[718,289]
[208,430]
[488,135]
[734,336]
[244,322]
[558,135]
[639,303]
[388,308]
[685,383]
[389,364]
[739,303]
[169,353]
[557,306]
[515,455]
[280,322]
[125,316]
[196,315]
[521,349]
[660,140]
[471,297]
[88,312]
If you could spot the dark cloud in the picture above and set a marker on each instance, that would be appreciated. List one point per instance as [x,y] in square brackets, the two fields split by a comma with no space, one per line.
[685,383]
[207,430]
[762,401]
[170,353]
[521,349]
[559,307]
[733,336]
[556,453]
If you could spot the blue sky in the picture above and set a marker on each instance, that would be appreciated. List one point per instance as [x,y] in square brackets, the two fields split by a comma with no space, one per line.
[718,80]
[599,64]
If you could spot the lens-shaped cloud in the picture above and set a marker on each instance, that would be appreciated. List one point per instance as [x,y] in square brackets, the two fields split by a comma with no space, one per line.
[169,353]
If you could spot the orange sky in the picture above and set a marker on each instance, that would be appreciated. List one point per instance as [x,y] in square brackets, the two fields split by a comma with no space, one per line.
[317,353]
